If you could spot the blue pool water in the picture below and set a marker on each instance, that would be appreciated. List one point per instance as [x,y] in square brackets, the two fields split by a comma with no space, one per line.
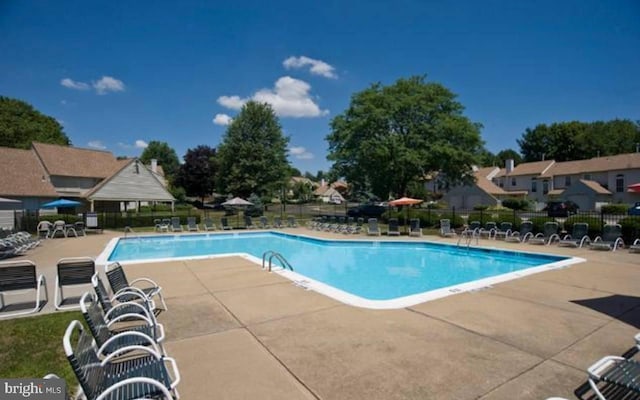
[372,270]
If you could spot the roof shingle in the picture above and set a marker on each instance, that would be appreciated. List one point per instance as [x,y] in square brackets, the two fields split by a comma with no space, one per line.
[23,175]
[73,161]
[598,164]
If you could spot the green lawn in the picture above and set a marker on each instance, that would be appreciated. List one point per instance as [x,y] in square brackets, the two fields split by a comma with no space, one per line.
[32,347]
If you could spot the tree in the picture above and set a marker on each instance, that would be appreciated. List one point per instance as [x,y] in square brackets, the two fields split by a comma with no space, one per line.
[21,124]
[302,191]
[393,135]
[253,153]
[166,156]
[487,158]
[508,154]
[197,174]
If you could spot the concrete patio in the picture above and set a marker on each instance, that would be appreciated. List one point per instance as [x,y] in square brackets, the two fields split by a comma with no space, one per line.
[238,332]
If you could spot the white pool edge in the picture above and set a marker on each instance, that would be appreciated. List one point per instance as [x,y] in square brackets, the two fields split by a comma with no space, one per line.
[351,299]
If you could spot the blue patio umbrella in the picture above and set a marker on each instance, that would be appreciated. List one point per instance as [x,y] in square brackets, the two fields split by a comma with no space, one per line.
[61,203]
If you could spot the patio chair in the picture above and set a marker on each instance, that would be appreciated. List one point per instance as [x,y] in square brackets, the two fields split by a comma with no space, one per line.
[473,228]
[115,307]
[59,226]
[521,236]
[175,224]
[504,230]
[20,276]
[611,238]
[578,237]
[635,247]
[489,230]
[135,378]
[224,222]
[620,372]
[120,284]
[72,272]
[208,224]
[110,340]
[445,228]
[291,222]
[277,222]
[394,229]
[166,224]
[44,229]
[372,227]
[248,222]
[191,224]
[414,228]
[264,223]
[80,228]
[549,234]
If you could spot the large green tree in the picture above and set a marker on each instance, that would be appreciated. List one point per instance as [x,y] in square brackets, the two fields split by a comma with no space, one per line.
[253,153]
[566,141]
[166,156]
[393,135]
[21,124]
[198,172]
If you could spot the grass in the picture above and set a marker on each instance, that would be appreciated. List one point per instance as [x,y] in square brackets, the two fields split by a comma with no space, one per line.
[32,347]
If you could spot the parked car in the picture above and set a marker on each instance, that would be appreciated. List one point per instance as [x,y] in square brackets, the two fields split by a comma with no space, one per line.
[635,209]
[366,211]
[561,208]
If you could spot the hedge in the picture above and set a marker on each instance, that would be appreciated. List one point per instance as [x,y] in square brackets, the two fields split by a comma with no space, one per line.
[514,219]
[595,226]
[630,229]
[614,209]
[538,222]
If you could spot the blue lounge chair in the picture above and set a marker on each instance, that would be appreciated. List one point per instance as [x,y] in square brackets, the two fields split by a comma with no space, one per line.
[175,224]
[192,226]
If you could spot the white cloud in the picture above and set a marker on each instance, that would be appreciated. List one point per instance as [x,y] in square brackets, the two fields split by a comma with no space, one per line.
[300,153]
[138,144]
[71,84]
[141,144]
[222,119]
[318,67]
[96,144]
[289,98]
[232,102]
[108,84]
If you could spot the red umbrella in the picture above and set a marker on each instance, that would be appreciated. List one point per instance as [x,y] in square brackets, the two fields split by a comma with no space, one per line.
[405,201]
[634,188]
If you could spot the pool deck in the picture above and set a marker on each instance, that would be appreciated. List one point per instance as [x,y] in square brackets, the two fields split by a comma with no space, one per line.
[238,332]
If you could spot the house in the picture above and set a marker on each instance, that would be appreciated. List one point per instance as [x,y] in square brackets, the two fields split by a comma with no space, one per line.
[94,177]
[331,193]
[589,183]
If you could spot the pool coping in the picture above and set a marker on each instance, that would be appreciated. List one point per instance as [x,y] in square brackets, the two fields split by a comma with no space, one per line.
[346,297]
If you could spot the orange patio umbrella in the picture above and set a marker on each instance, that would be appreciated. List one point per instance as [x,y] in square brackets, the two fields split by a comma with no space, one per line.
[405,201]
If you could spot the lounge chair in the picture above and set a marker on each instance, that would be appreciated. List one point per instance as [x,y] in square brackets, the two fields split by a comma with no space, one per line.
[372,227]
[191,224]
[134,378]
[414,228]
[58,227]
[110,340]
[175,224]
[394,229]
[277,222]
[489,230]
[504,230]
[21,276]
[44,229]
[611,238]
[578,237]
[8,249]
[291,222]
[72,272]
[620,372]
[166,224]
[80,228]
[473,228]
[208,224]
[224,222]
[248,222]
[635,247]
[521,236]
[116,307]
[120,284]
[264,223]
[549,234]
[157,225]
[445,228]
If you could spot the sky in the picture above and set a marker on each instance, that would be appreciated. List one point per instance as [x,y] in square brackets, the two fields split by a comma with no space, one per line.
[119,74]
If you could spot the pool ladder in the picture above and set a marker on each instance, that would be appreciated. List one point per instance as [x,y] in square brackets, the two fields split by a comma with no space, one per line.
[468,237]
[128,229]
[274,254]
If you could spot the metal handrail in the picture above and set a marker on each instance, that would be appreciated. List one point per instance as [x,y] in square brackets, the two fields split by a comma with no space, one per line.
[278,256]
[128,229]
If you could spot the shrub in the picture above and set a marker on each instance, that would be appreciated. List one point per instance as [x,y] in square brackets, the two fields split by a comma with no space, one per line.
[456,220]
[480,207]
[538,222]
[630,229]
[595,226]
[256,210]
[68,218]
[511,217]
[614,209]
[516,204]
[483,217]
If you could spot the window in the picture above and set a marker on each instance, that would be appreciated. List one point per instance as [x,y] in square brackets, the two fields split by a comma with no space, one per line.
[619,183]
[534,185]
[545,186]
[513,181]
[500,183]
[567,181]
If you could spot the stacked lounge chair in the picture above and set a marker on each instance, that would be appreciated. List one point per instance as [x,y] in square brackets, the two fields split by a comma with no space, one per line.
[175,224]
[208,224]
[372,227]
[489,230]
[192,226]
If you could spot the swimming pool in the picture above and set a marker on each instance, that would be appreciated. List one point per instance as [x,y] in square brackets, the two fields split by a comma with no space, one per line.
[373,274]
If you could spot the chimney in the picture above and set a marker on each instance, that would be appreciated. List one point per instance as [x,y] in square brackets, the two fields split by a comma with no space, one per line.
[508,165]
[154,165]
[322,182]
